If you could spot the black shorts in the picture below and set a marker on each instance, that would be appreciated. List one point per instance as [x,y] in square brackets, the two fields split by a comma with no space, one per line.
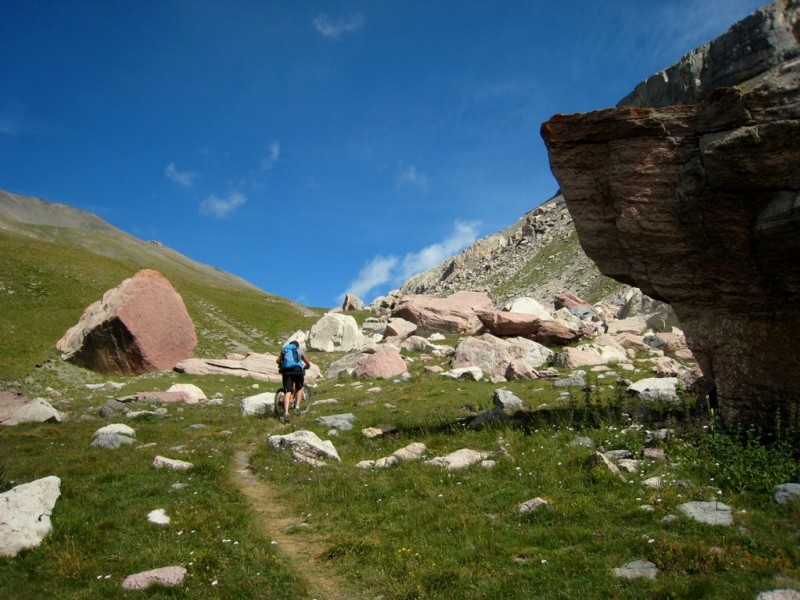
[293,379]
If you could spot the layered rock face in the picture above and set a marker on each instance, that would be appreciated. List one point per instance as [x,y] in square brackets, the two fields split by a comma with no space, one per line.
[139,326]
[699,206]
[765,40]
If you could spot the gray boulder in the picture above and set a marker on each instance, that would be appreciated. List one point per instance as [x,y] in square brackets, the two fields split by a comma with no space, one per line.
[305,446]
[711,513]
[787,492]
[113,436]
[343,422]
[575,379]
[507,400]
[16,409]
[656,389]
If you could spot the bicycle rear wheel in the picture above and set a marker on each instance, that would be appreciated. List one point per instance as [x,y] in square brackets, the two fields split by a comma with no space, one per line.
[307,394]
[277,406]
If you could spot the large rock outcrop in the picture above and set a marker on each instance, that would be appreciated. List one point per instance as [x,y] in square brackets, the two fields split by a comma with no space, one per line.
[454,314]
[699,206]
[139,326]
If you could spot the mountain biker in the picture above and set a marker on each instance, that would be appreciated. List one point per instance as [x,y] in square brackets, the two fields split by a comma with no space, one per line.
[292,364]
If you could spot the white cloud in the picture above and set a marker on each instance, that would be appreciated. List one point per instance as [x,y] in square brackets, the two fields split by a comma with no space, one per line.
[464,234]
[267,162]
[412,177]
[184,178]
[222,207]
[375,273]
[334,29]
[391,269]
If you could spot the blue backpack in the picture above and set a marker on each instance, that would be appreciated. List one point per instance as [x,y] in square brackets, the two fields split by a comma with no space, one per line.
[291,357]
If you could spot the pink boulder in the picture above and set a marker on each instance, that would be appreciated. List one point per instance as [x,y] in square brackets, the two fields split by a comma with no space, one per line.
[454,314]
[139,326]
[569,300]
[384,363]
[502,324]
[551,333]
[512,324]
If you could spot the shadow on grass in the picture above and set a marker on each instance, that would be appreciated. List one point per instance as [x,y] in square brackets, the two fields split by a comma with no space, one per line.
[584,417]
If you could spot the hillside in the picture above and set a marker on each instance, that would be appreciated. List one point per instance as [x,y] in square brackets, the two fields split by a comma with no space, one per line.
[58,259]
[538,256]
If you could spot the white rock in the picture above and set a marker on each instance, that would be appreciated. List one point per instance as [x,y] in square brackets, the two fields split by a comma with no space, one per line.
[158,517]
[470,373]
[195,394]
[257,405]
[779,595]
[337,333]
[25,514]
[529,306]
[460,459]
[413,451]
[119,428]
[656,389]
[533,505]
[161,462]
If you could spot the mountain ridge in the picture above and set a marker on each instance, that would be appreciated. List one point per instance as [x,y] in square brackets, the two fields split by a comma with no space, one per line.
[59,259]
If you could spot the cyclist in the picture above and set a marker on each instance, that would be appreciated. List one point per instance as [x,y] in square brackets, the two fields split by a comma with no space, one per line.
[292,364]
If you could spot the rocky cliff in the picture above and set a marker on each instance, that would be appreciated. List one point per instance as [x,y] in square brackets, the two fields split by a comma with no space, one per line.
[698,204]
[538,256]
[752,47]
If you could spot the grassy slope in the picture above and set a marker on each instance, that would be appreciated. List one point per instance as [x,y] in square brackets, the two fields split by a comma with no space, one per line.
[48,277]
[549,264]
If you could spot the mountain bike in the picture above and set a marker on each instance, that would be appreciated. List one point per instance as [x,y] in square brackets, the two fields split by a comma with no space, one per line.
[277,406]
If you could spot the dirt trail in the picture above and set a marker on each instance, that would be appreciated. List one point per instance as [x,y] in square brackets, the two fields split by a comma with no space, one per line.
[276,520]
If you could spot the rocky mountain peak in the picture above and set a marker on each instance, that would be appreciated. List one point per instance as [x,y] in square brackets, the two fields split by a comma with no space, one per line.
[538,256]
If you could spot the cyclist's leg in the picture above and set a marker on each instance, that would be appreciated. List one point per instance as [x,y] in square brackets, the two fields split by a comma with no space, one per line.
[287,392]
[299,393]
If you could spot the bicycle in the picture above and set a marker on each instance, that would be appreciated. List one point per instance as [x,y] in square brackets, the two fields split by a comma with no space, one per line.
[277,406]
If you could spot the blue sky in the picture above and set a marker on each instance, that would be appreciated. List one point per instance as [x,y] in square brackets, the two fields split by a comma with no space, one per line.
[316,147]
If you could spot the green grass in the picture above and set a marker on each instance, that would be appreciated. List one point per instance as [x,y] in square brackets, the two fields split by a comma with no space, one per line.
[547,264]
[413,531]
[46,285]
